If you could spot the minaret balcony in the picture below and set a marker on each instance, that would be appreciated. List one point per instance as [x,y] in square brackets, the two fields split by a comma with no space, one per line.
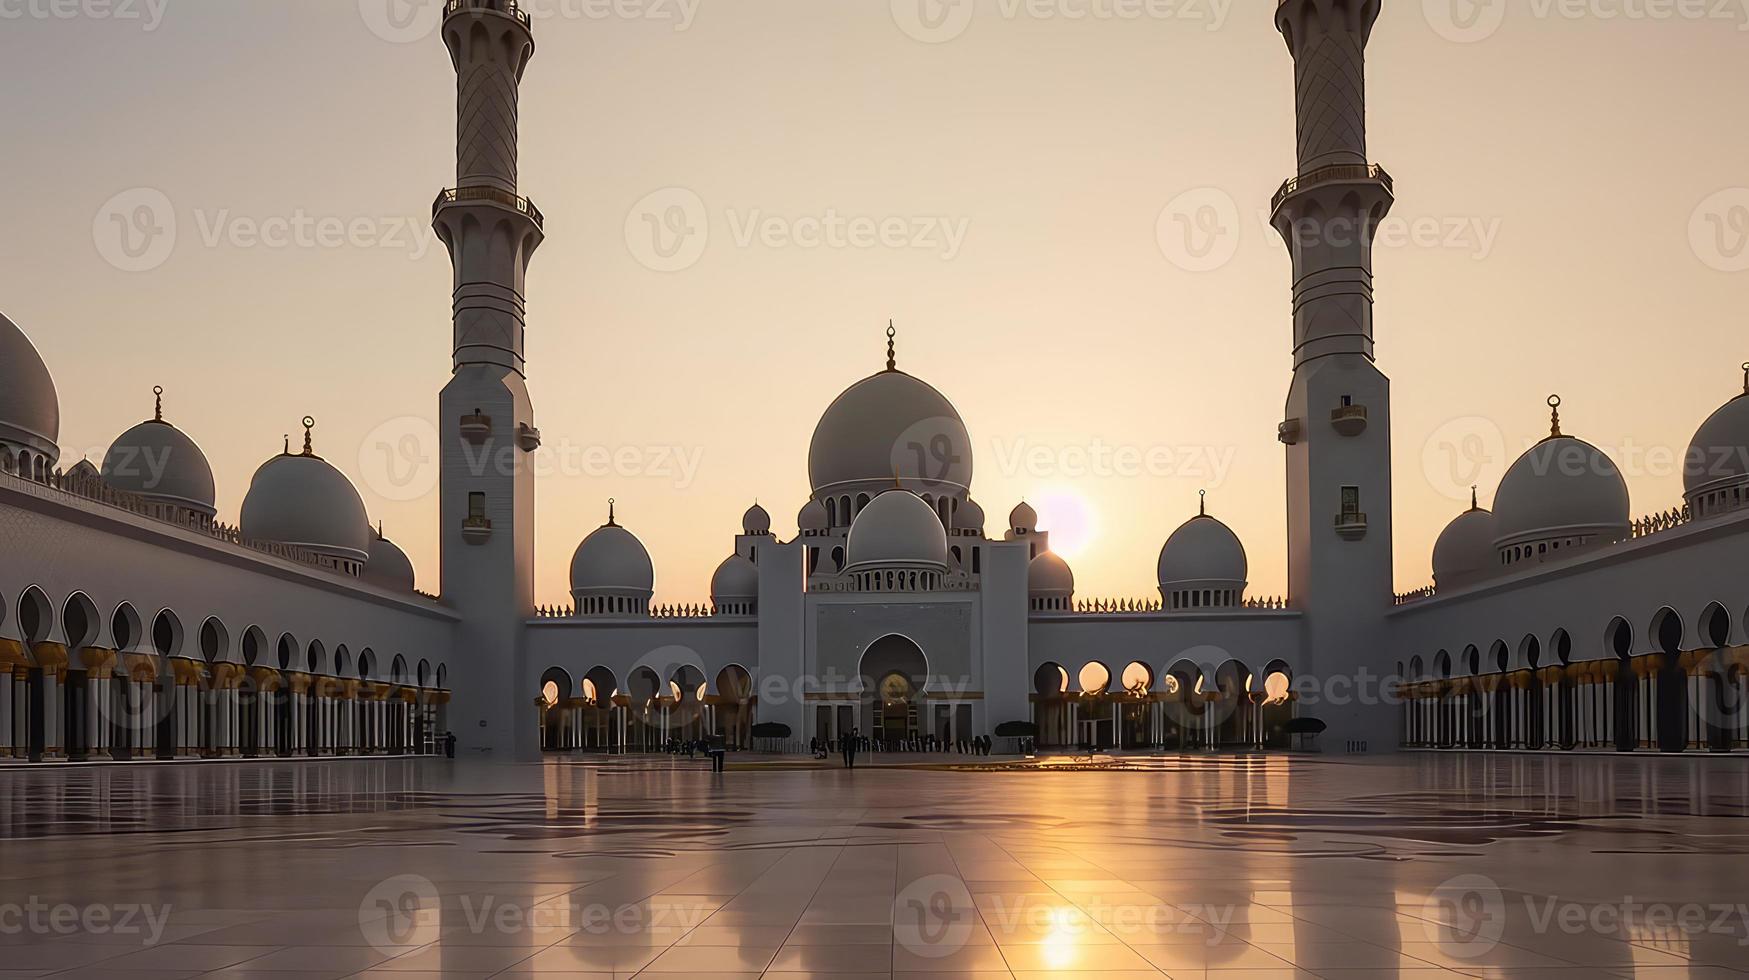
[476,530]
[488,195]
[1351,525]
[510,8]
[527,437]
[1348,420]
[476,428]
[1341,173]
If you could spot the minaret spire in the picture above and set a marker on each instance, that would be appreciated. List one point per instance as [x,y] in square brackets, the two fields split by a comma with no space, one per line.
[1746,377]
[309,424]
[158,406]
[892,348]
[1202,506]
[1554,416]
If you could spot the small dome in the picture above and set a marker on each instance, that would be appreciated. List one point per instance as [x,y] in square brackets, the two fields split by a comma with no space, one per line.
[1465,549]
[30,411]
[83,470]
[303,501]
[969,516]
[812,517]
[736,578]
[612,559]
[1049,576]
[898,528]
[1023,517]
[1561,489]
[890,425]
[388,566]
[157,460]
[1202,551]
[756,521]
[1718,456]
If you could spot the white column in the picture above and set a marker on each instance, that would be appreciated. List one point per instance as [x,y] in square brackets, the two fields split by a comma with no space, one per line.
[6,712]
[54,744]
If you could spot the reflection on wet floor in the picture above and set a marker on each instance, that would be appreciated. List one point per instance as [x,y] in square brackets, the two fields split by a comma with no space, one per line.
[1410,866]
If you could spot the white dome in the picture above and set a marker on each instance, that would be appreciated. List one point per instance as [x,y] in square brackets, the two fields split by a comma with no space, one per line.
[735,578]
[1561,488]
[1202,551]
[388,566]
[612,559]
[969,516]
[886,426]
[1023,517]
[1049,575]
[898,528]
[756,521]
[30,412]
[1465,549]
[1718,456]
[812,517]
[303,501]
[157,460]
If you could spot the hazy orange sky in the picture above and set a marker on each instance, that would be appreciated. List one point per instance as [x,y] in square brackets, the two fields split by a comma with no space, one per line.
[1571,217]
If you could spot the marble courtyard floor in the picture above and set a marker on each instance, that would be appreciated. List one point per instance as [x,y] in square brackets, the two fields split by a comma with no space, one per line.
[1413,866]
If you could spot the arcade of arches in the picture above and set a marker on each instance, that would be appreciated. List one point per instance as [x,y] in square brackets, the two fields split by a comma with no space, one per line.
[1688,695]
[643,714]
[1186,707]
[159,693]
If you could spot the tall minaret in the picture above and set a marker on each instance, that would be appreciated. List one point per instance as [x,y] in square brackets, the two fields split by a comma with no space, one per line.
[486,421]
[1337,425]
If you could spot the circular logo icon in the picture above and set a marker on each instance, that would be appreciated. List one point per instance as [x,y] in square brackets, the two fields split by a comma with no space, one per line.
[933,454]
[401,21]
[1462,454]
[1198,230]
[135,231]
[1464,21]
[399,459]
[668,681]
[668,230]
[933,21]
[402,911]
[1718,230]
[933,916]
[1466,916]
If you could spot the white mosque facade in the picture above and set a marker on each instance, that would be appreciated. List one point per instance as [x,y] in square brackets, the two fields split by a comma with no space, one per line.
[135,624]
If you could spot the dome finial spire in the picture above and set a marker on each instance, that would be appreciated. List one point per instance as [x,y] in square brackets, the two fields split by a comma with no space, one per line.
[1554,416]
[1746,377]
[1202,506]
[309,424]
[1475,503]
[610,520]
[158,403]
[892,348]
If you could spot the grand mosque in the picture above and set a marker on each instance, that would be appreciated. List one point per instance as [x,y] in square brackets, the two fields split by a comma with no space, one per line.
[136,622]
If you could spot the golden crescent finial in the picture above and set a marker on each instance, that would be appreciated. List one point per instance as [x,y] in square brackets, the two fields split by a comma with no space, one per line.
[309,424]
[1554,416]
[158,399]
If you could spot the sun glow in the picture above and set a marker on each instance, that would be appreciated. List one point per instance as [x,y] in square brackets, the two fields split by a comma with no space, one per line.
[1071,520]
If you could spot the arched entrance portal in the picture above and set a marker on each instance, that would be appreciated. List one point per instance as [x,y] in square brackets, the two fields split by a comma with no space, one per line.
[894,674]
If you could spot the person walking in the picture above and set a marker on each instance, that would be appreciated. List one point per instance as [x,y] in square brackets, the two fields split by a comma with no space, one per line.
[850,749]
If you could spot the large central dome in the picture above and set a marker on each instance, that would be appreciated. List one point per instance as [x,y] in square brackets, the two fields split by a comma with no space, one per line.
[886,427]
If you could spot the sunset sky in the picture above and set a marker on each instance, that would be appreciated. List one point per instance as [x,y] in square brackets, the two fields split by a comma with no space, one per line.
[1572,215]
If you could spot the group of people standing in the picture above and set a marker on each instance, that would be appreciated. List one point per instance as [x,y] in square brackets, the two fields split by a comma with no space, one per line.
[850,746]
